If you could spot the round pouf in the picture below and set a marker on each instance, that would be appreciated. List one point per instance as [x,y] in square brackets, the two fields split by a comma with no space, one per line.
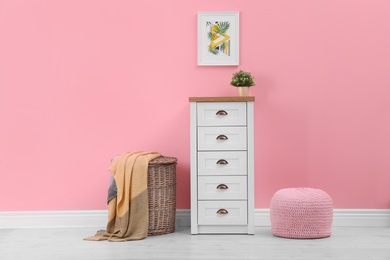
[301,213]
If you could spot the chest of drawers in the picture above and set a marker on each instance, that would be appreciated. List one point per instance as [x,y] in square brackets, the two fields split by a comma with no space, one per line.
[222,165]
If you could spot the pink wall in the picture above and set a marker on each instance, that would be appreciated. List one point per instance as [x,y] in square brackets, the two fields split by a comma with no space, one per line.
[81,81]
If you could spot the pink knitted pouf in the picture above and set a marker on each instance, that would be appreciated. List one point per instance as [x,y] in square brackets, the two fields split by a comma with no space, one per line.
[301,213]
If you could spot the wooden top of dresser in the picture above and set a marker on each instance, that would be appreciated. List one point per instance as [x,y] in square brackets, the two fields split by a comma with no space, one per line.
[222,99]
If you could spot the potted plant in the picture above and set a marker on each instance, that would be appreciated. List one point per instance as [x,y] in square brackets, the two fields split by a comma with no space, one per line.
[242,80]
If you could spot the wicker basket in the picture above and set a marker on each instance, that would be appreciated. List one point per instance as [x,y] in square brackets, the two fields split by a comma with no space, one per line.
[162,195]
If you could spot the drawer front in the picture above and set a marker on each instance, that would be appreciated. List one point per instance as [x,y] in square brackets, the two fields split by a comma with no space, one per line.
[222,188]
[222,163]
[210,213]
[221,113]
[222,138]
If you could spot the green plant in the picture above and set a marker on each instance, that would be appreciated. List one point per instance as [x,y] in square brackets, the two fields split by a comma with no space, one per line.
[242,79]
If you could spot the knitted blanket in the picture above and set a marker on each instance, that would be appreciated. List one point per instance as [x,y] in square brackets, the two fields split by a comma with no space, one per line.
[128,212]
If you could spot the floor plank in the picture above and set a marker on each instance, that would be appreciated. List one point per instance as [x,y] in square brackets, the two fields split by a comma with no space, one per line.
[346,243]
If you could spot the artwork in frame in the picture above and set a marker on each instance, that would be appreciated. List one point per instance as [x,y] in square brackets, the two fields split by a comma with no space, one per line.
[218,38]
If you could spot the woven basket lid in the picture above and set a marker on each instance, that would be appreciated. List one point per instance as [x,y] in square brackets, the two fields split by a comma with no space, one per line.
[163,160]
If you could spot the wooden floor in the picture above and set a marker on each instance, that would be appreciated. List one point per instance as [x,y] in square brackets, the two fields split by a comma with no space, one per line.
[348,243]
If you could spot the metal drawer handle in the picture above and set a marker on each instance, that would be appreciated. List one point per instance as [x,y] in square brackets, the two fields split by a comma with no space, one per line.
[222,211]
[222,161]
[221,113]
[222,187]
[222,137]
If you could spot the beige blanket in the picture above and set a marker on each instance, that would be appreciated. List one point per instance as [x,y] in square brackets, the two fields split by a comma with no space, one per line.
[128,213]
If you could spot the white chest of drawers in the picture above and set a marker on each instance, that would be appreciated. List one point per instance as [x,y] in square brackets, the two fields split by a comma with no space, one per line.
[222,165]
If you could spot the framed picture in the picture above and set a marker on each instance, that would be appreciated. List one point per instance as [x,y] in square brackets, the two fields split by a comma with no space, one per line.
[218,38]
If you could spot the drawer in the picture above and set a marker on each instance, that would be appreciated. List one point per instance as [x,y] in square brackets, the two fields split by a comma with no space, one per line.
[222,138]
[222,163]
[222,188]
[221,113]
[210,213]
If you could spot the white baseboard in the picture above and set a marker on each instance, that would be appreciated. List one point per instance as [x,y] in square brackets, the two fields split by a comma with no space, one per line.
[53,219]
[341,218]
[98,218]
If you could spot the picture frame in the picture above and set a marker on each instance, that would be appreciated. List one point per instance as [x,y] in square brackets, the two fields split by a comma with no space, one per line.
[218,38]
